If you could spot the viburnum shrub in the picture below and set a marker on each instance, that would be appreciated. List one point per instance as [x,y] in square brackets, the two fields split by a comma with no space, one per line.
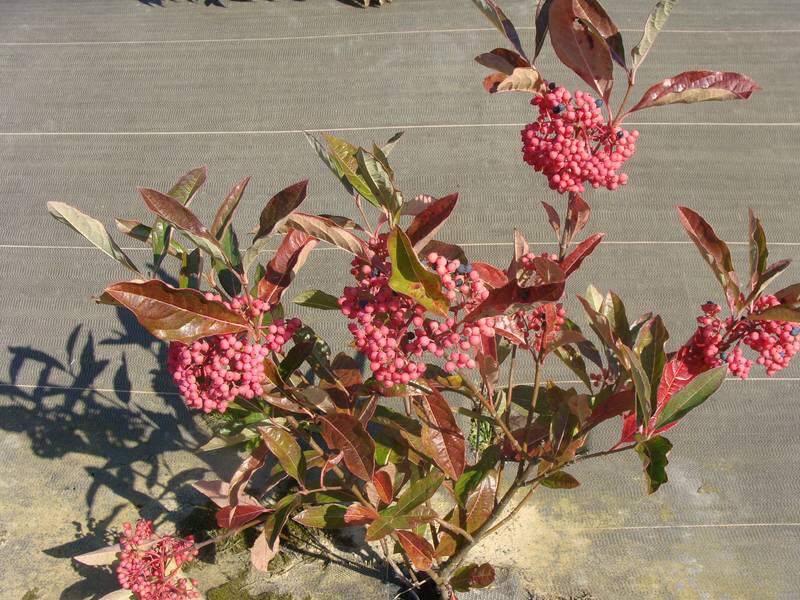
[372,436]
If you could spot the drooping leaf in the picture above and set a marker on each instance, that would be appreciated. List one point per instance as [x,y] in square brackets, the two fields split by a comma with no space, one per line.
[580,47]
[288,452]
[225,211]
[698,86]
[418,549]
[641,383]
[262,552]
[429,221]
[327,231]
[442,439]
[317,299]
[497,17]
[777,313]
[344,432]
[697,391]
[592,12]
[521,79]
[713,250]
[560,480]
[542,24]
[653,453]
[472,577]
[91,229]
[410,278]
[357,514]
[574,259]
[175,314]
[289,258]
[280,206]
[324,516]
[655,23]
[490,274]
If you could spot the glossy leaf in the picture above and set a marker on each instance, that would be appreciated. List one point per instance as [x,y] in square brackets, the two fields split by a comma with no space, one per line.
[225,212]
[172,211]
[511,296]
[641,384]
[697,391]
[378,177]
[698,86]
[343,155]
[325,516]
[655,23]
[175,314]
[777,313]
[580,47]
[288,452]
[91,229]
[442,439]
[410,278]
[384,484]
[560,481]
[650,348]
[480,502]
[473,475]
[613,406]
[490,274]
[289,258]
[416,494]
[280,206]
[675,375]
[183,191]
[429,221]
[344,432]
[327,231]
[574,259]
[417,548]
[357,514]
[653,453]
[578,212]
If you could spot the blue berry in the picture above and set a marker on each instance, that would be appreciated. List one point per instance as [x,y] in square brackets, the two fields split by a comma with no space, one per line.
[795,331]
[559,109]
[619,135]
[552,85]
[598,103]
[724,356]
[362,303]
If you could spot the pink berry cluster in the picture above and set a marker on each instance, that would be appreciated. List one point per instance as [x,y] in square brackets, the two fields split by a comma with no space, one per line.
[391,329]
[719,341]
[571,144]
[213,371]
[149,565]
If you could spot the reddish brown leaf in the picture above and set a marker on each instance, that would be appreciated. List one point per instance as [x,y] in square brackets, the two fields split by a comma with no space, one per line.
[173,211]
[491,275]
[611,407]
[592,12]
[523,79]
[480,502]
[512,296]
[384,484]
[502,60]
[232,517]
[419,551]
[261,552]
[698,86]
[552,218]
[290,256]
[175,314]
[449,251]
[442,440]
[344,432]
[281,206]
[242,476]
[497,17]
[472,576]
[580,47]
[578,212]
[629,428]
[227,208]
[429,221]
[676,375]
[327,231]
[574,259]
[357,514]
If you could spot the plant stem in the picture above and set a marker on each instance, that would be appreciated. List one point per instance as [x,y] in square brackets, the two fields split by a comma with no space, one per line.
[491,410]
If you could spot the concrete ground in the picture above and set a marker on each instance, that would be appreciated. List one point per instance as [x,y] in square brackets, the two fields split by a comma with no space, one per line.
[98,97]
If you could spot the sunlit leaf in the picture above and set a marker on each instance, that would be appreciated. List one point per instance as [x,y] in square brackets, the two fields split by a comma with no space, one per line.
[288,452]
[692,395]
[441,437]
[418,549]
[317,299]
[653,453]
[410,278]
[344,432]
[655,23]
[280,206]
[497,17]
[425,225]
[698,86]
[225,212]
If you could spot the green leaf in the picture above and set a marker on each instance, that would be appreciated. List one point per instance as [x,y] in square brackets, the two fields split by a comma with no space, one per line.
[560,481]
[294,358]
[191,269]
[389,145]
[691,396]
[411,279]
[614,310]
[641,383]
[343,156]
[417,493]
[317,299]
[379,180]
[92,229]
[288,452]
[473,475]
[655,23]
[472,576]
[325,516]
[183,191]
[653,453]
[650,349]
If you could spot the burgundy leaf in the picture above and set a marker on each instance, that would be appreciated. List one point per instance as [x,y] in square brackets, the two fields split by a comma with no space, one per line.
[357,514]
[344,432]
[449,251]
[480,502]
[578,212]
[442,439]
[418,549]
[242,476]
[290,256]
[698,86]
[592,12]
[281,206]
[580,47]
[227,208]
[613,406]
[502,60]
[629,428]
[574,259]
[173,211]
[676,375]
[552,217]
[427,223]
[497,17]
[491,275]
[232,517]
[175,314]
[384,484]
